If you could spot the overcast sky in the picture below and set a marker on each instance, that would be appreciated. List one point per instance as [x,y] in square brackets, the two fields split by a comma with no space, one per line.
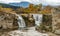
[45,2]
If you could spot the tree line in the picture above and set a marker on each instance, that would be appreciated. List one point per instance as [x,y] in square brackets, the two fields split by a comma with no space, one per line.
[31,9]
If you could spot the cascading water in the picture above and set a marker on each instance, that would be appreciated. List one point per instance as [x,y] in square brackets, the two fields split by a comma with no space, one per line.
[21,22]
[38,19]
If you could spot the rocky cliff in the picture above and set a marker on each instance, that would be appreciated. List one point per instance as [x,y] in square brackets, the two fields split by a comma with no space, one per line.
[7,21]
[56,23]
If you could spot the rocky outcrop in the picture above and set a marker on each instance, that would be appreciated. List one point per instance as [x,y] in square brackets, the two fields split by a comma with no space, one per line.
[56,23]
[6,20]
[46,24]
[29,20]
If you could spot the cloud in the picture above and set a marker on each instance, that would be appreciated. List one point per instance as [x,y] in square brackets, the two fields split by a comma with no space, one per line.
[17,1]
[45,2]
[52,2]
[9,1]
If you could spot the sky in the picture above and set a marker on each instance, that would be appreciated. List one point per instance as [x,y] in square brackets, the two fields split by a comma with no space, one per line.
[44,2]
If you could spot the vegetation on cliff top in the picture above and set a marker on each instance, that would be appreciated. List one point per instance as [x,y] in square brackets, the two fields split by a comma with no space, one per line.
[31,9]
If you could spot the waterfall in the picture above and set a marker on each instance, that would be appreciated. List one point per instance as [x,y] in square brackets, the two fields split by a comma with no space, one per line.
[21,22]
[38,19]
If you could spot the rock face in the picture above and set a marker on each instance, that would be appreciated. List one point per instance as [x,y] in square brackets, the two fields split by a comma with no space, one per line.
[46,24]
[56,23]
[29,20]
[6,20]
[9,21]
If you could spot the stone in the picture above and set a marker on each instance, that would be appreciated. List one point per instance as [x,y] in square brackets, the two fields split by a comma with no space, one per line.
[46,24]
[56,23]
[6,20]
[29,21]
[4,26]
[10,26]
[57,31]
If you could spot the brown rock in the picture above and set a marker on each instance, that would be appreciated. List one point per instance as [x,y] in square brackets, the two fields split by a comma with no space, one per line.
[7,21]
[57,31]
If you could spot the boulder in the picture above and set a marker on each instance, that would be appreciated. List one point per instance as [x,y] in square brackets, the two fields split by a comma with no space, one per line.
[57,31]
[4,26]
[56,23]
[6,20]
[46,25]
